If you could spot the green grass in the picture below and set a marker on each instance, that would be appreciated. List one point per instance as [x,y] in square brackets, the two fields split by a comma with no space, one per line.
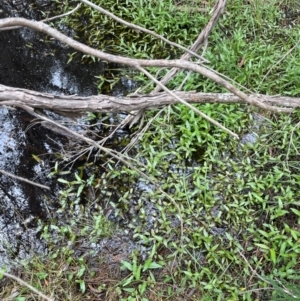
[238,203]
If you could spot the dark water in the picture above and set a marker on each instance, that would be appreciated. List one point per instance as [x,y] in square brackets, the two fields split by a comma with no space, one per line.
[28,62]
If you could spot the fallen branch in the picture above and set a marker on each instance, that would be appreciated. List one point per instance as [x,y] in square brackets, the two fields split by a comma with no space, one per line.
[138,63]
[206,117]
[47,19]
[104,103]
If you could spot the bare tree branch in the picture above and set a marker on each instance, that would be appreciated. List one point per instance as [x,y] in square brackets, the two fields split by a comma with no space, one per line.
[103,103]
[172,94]
[47,19]
[137,63]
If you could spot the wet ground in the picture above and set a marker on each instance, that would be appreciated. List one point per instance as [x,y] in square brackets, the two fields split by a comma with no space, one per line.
[26,61]
[27,149]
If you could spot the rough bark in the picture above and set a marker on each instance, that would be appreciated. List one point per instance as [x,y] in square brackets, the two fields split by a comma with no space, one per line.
[103,103]
[138,63]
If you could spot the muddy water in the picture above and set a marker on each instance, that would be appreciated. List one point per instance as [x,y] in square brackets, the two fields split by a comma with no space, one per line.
[28,62]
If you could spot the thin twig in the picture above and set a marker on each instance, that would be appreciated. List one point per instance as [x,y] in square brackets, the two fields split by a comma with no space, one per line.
[139,28]
[263,279]
[187,104]
[138,135]
[278,62]
[257,290]
[253,271]
[22,282]
[24,180]
[62,15]
[47,19]
[119,156]
[201,40]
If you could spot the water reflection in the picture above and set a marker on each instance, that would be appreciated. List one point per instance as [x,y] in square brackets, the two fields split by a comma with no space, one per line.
[27,62]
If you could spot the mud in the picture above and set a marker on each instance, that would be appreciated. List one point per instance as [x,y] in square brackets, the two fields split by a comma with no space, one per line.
[29,60]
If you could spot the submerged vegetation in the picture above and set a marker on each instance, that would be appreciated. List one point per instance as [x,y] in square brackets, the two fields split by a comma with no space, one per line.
[234,230]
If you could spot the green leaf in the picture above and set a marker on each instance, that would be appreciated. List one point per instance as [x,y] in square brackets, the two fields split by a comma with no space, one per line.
[63,181]
[152,276]
[188,273]
[262,246]
[54,227]
[81,271]
[127,281]
[143,287]
[282,248]
[42,275]
[208,287]
[295,234]
[80,188]
[36,158]
[154,265]
[273,255]
[297,212]
[147,264]
[77,177]
[264,233]
[137,273]
[1,273]
[279,212]
[81,285]
[126,265]
[129,289]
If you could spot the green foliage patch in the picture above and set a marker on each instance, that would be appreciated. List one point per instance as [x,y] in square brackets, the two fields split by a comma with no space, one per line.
[238,200]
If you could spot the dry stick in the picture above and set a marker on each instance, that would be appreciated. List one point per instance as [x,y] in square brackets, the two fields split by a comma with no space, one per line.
[189,105]
[62,15]
[22,282]
[261,278]
[47,19]
[278,62]
[137,63]
[139,28]
[249,265]
[129,146]
[112,104]
[24,180]
[202,39]
[189,73]
[114,154]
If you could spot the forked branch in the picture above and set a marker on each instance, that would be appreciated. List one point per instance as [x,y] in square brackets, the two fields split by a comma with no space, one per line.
[139,63]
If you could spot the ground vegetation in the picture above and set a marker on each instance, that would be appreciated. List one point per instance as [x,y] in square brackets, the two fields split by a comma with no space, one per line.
[202,215]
